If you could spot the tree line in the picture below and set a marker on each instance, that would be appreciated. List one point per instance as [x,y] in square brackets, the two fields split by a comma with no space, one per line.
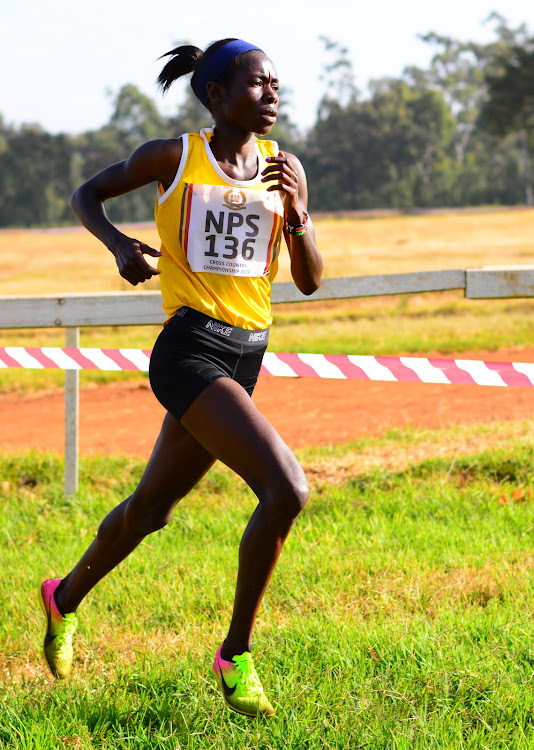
[460,133]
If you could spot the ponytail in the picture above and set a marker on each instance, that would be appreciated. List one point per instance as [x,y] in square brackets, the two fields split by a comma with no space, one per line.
[183,60]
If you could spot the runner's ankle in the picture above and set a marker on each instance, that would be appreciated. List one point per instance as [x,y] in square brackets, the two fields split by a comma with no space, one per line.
[230,649]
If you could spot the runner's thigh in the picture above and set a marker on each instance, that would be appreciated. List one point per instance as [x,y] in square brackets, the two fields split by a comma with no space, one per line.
[176,465]
[231,428]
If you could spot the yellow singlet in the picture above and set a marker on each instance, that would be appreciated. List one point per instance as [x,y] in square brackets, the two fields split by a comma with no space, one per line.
[220,237]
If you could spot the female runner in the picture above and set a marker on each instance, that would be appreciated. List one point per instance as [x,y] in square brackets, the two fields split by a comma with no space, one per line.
[224,199]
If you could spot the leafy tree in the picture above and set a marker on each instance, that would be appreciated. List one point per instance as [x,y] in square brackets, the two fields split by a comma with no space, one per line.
[136,116]
[35,169]
[459,68]
[510,105]
[380,152]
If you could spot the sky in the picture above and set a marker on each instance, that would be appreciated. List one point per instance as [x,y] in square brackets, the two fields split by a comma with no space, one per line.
[61,62]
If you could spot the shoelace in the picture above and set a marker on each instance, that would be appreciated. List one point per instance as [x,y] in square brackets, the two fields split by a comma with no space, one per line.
[245,668]
[64,636]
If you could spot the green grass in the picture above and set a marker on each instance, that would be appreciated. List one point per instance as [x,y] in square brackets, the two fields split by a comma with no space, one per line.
[400,615]
[404,324]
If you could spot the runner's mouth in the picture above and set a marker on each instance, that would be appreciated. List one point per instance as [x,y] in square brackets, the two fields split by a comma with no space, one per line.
[269,114]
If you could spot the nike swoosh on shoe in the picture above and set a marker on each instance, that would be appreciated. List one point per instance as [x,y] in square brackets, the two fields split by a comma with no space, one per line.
[227,689]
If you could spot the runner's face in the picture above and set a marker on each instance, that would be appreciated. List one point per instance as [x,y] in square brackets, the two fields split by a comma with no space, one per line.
[252,97]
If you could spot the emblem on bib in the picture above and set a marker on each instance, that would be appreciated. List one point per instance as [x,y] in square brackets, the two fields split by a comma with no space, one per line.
[235,199]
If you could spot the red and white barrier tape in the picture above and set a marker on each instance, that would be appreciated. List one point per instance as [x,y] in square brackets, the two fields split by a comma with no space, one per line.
[340,366]
[49,357]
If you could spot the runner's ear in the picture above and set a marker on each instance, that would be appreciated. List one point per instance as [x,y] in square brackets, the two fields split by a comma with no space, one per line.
[216,92]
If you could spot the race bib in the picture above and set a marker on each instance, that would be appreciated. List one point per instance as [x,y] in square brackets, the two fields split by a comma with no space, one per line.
[231,231]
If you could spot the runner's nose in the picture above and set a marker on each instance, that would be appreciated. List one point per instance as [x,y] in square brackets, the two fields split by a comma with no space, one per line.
[270,94]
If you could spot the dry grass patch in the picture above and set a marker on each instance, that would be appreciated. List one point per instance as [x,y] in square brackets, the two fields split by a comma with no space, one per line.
[407,243]
[402,449]
[72,260]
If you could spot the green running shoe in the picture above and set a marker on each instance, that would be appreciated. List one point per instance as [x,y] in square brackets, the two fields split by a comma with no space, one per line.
[241,686]
[59,631]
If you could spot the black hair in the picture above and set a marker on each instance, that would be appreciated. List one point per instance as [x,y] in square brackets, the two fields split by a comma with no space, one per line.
[189,59]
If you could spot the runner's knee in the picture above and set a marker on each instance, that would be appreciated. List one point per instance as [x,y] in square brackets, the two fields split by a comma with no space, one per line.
[287,496]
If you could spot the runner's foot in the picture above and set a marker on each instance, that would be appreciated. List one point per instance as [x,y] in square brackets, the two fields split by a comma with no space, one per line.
[59,631]
[241,686]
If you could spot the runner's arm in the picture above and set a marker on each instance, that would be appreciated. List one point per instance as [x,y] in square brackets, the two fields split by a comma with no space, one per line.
[154,161]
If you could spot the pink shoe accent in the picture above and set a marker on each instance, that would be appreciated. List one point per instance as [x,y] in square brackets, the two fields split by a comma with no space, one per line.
[48,589]
[220,663]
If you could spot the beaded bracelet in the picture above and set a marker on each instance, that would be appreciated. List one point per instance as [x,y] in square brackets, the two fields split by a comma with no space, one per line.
[298,229]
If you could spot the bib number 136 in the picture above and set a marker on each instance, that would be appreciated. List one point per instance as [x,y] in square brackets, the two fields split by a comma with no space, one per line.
[240,244]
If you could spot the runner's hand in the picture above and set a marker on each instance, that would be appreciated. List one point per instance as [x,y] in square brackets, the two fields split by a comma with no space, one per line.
[130,257]
[287,182]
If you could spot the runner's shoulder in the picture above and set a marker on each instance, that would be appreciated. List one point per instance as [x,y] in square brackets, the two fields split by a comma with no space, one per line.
[161,148]
[159,158]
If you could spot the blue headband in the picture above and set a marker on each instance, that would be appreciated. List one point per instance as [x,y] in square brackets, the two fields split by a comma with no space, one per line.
[215,65]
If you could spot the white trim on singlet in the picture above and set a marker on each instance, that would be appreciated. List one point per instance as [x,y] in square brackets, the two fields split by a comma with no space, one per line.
[181,166]
[223,175]
[162,197]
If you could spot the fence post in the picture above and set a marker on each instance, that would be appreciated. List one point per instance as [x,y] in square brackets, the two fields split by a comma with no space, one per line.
[72,401]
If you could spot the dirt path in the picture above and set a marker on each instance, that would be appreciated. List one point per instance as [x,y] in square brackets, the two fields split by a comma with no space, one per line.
[124,417]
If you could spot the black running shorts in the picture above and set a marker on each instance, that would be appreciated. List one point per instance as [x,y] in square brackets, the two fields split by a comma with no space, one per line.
[194,350]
